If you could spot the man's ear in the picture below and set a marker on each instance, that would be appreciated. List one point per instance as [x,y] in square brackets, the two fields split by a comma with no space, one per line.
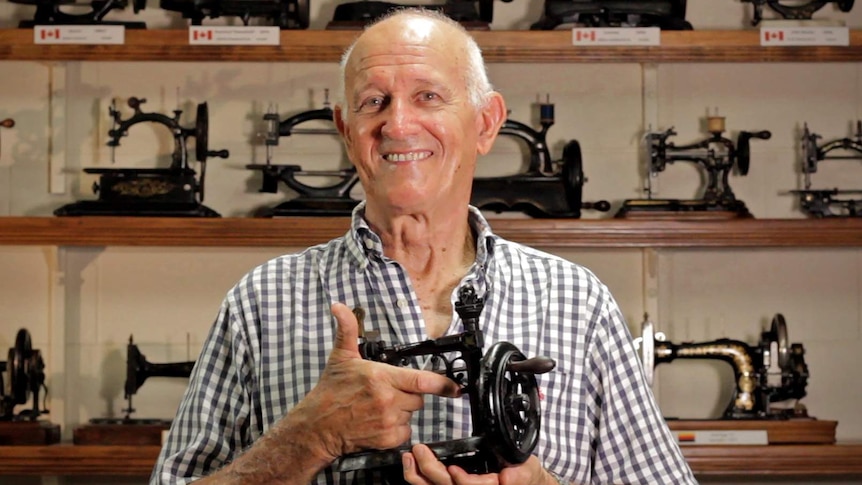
[340,125]
[492,117]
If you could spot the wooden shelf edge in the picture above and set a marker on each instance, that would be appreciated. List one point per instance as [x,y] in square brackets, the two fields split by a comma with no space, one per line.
[498,46]
[540,233]
[783,460]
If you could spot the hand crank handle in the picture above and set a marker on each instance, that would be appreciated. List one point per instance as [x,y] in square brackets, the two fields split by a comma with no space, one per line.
[533,365]
[599,205]
[7,123]
[218,153]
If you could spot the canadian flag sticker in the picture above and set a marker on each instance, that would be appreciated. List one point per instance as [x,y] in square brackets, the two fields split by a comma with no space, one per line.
[202,34]
[581,35]
[773,35]
[49,34]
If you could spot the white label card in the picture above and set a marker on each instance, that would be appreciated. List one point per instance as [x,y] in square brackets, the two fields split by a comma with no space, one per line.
[79,34]
[229,35]
[802,36]
[610,36]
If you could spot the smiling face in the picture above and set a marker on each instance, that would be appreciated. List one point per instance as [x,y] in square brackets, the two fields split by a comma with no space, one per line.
[408,122]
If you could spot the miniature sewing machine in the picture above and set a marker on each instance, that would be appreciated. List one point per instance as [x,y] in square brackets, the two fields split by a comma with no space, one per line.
[127,430]
[285,14]
[548,188]
[665,14]
[501,385]
[326,200]
[716,155]
[828,202]
[766,374]
[23,376]
[472,14]
[794,9]
[158,192]
[48,12]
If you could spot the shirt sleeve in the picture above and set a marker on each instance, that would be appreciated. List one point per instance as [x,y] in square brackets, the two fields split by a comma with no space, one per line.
[633,443]
[211,425]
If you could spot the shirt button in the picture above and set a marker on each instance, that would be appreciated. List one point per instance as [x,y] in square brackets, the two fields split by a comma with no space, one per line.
[369,243]
[402,303]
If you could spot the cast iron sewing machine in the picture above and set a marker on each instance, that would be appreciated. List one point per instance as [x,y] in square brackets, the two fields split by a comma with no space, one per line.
[48,12]
[548,188]
[127,430]
[22,376]
[160,192]
[716,155]
[665,14]
[794,10]
[327,200]
[829,202]
[472,14]
[501,385]
[285,14]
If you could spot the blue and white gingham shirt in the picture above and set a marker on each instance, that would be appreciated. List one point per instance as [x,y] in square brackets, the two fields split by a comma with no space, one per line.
[272,337]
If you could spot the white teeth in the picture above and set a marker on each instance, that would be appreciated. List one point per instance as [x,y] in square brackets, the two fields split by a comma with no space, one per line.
[405,157]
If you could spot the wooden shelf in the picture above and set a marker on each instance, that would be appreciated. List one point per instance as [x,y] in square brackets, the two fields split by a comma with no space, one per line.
[841,460]
[498,46]
[542,233]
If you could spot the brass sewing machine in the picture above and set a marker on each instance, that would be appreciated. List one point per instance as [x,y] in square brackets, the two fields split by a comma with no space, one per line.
[22,377]
[501,385]
[175,191]
[716,155]
[312,200]
[829,202]
[51,12]
[794,10]
[665,14]
[127,430]
[548,188]
[472,14]
[285,14]
[766,375]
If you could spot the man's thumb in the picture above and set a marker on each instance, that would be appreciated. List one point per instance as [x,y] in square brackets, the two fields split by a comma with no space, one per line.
[347,329]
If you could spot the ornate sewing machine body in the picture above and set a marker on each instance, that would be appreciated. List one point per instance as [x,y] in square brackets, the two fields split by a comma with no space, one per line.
[50,12]
[127,430]
[22,377]
[794,10]
[285,14]
[716,155]
[159,192]
[472,14]
[665,14]
[829,202]
[548,188]
[327,200]
[501,385]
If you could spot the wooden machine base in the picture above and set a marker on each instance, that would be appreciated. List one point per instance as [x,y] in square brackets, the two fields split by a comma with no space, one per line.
[29,433]
[128,434]
[788,431]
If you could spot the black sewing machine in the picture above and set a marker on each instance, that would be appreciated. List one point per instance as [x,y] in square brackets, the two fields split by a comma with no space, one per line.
[127,430]
[327,200]
[22,377]
[548,188]
[665,14]
[49,12]
[716,155]
[158,192]
[472,14]
[829,202]
[501,385]
[794,10]
[285,14]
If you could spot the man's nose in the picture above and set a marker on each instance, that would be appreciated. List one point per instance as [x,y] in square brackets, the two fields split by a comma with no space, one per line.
[400,119]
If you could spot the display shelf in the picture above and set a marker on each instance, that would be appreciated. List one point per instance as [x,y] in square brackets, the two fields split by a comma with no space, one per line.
[841,460]
[543,233]
[497,46]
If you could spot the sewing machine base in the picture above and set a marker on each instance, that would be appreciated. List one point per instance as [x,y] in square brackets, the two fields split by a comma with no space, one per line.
[310,207]
[135,209]
[122,432]
[778,431]
[29,433]
[681,209]
[464,453]
[535,195]
[29,24]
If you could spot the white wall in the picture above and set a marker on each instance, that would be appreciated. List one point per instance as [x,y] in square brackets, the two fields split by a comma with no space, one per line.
[81,304]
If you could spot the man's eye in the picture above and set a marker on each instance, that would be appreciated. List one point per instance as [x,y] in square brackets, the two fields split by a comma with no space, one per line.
[372,104]
[429,96]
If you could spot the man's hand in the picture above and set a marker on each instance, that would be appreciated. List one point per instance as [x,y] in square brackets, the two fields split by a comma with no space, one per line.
[421,467]
[359,404]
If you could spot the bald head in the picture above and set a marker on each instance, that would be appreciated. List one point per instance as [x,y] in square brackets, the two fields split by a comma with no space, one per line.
[419,29]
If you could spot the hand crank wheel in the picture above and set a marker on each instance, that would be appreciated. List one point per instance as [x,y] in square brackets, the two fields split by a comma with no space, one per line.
[511,402]
[845,5]
[16,368]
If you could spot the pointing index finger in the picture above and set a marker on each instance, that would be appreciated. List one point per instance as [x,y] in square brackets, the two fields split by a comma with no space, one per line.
[424,382]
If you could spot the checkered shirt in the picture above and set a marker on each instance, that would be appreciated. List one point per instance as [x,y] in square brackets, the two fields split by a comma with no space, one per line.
[271,339]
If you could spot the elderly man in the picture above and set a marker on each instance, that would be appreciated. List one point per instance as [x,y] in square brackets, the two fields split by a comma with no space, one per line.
[280,391]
